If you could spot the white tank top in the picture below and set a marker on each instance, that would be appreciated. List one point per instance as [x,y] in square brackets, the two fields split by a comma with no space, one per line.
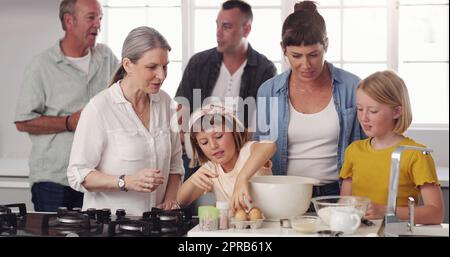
[313,144]
[228,85]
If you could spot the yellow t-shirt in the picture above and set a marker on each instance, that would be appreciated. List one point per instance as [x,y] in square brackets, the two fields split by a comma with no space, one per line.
[223,185]
[370,171]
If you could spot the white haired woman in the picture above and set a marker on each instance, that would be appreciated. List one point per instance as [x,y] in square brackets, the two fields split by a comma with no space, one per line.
[125,154]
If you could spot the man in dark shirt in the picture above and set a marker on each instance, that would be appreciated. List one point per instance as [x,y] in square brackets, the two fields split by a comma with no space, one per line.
[233,69]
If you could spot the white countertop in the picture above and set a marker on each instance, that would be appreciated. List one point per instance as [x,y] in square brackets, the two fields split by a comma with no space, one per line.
[273,229]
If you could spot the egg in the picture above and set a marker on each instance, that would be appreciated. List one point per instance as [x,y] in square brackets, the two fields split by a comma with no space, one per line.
[255,214]
[240,215]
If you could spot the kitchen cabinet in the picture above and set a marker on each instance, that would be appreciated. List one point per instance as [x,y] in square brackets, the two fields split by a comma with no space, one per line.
[15,190]
[14,185]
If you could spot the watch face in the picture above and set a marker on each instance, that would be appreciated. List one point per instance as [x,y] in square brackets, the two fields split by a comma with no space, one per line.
[121,183]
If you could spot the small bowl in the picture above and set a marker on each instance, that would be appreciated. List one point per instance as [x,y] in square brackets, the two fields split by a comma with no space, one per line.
[305,224]
[325,204]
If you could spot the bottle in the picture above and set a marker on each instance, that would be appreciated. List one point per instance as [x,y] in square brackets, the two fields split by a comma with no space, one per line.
[208,218]
[223,214]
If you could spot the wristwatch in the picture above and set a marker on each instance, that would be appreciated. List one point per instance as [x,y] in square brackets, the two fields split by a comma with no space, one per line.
[121,183]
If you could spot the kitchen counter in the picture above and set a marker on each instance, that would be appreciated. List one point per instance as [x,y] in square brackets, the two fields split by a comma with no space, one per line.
[440,230]
[273,229]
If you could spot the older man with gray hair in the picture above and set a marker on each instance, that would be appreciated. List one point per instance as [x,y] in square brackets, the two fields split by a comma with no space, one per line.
[57,85]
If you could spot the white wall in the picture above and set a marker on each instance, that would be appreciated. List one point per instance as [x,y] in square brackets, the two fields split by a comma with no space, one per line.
[27,27]
[436,139]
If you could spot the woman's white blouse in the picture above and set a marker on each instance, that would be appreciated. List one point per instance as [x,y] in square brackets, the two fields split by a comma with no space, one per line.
[112,139]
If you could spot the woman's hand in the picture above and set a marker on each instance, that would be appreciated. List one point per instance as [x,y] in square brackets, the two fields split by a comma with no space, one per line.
[202,179]
[169,205]
[375,211]
[146,180]
[241,190]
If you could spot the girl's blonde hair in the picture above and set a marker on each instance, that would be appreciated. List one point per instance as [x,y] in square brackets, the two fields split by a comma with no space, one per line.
[388,88]
[211,116]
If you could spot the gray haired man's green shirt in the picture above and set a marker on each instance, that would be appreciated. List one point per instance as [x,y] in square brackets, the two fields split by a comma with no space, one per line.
[53,86]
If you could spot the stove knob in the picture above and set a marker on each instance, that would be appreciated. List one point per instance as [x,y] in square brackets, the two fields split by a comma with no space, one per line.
[91,212]
[120,213]
[106,212]
[4,210]
[104,215]
[62,210]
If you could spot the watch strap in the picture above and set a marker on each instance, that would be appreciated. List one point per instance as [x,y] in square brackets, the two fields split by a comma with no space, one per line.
[122,183]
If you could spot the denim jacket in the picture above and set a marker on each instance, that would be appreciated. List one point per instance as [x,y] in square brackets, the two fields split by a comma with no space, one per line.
[273,114]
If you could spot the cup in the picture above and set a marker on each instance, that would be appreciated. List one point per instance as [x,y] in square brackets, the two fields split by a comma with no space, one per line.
[345,221]
[208,217]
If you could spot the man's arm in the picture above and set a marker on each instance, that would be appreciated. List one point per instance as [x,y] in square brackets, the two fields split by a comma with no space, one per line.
[49,124]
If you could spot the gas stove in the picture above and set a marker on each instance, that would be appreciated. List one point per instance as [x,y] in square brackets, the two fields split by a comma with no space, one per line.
[16,222]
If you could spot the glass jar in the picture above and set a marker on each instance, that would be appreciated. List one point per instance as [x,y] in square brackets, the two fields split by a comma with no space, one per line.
[223,208]
[208,218]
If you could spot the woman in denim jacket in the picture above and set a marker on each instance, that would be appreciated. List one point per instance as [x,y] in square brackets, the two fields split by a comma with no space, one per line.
[309,109]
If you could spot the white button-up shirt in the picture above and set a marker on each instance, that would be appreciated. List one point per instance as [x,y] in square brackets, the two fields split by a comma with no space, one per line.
[228,85]
[112,139]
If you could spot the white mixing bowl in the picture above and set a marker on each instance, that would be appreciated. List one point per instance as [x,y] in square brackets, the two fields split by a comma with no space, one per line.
[282,197]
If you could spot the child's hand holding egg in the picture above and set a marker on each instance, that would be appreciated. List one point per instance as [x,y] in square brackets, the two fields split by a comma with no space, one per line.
[240,215]
[255,214]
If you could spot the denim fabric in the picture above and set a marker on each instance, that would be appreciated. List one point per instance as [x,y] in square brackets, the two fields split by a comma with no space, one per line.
[273,114]
[48,196]
[327,189]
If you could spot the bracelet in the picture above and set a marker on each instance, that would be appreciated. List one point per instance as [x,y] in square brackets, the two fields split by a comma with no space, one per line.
[67,124]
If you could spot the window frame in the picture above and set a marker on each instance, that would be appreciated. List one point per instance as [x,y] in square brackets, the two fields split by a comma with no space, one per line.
[188,8]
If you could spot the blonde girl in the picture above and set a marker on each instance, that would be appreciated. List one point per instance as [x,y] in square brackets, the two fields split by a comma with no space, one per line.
[384,112]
